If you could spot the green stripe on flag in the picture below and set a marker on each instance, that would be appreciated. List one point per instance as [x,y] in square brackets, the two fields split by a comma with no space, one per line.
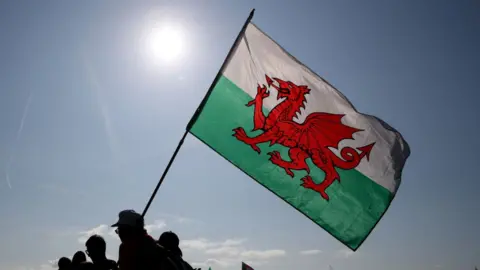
[356,204]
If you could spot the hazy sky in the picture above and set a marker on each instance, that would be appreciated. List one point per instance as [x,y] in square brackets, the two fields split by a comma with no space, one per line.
[89,120]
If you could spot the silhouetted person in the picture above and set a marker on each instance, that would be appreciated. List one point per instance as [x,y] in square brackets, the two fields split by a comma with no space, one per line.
[96,250]
[64,263]
[170,241]
[138,250]
[78,258]
[79,262]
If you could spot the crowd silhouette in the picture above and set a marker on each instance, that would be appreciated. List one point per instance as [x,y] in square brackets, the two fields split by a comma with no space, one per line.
[137,251]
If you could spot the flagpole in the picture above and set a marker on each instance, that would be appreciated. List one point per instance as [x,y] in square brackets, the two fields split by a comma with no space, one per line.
[199,110]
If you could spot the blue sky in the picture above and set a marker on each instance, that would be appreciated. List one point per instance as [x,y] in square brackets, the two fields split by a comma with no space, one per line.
[88,122]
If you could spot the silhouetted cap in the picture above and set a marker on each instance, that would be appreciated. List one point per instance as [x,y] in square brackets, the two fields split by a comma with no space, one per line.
[129,218]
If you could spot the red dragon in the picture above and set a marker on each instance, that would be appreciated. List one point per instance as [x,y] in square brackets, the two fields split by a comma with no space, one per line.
[311,139]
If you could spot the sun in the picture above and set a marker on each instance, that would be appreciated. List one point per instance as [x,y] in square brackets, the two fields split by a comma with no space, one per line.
[165,43]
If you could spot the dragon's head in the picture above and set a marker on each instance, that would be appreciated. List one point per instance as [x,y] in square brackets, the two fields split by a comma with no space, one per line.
[287,89]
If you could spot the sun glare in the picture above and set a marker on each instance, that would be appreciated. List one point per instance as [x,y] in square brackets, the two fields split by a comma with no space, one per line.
[165,43]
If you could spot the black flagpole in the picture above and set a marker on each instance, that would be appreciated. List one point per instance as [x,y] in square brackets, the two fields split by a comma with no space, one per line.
[199,109]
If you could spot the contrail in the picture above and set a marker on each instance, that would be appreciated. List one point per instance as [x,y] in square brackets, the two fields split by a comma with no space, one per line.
[98,91]
[7,177]
[24,116]
[17,137]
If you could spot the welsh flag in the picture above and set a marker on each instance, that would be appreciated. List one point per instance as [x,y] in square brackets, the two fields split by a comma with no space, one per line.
[295,134]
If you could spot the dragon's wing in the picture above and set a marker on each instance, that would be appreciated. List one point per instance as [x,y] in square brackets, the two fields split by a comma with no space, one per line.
[319,130]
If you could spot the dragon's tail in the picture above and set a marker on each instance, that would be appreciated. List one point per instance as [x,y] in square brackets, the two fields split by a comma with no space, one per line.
[350,157]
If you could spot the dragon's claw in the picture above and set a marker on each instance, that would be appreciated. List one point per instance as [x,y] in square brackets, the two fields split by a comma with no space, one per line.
[310,184]
[242,136]
[262,92]
[275,157]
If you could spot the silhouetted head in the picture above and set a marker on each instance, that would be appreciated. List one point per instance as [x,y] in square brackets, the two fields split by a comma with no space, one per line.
[96,248]
[170,241]
[287,89]
[78,258]
[64,263]
[130,224]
